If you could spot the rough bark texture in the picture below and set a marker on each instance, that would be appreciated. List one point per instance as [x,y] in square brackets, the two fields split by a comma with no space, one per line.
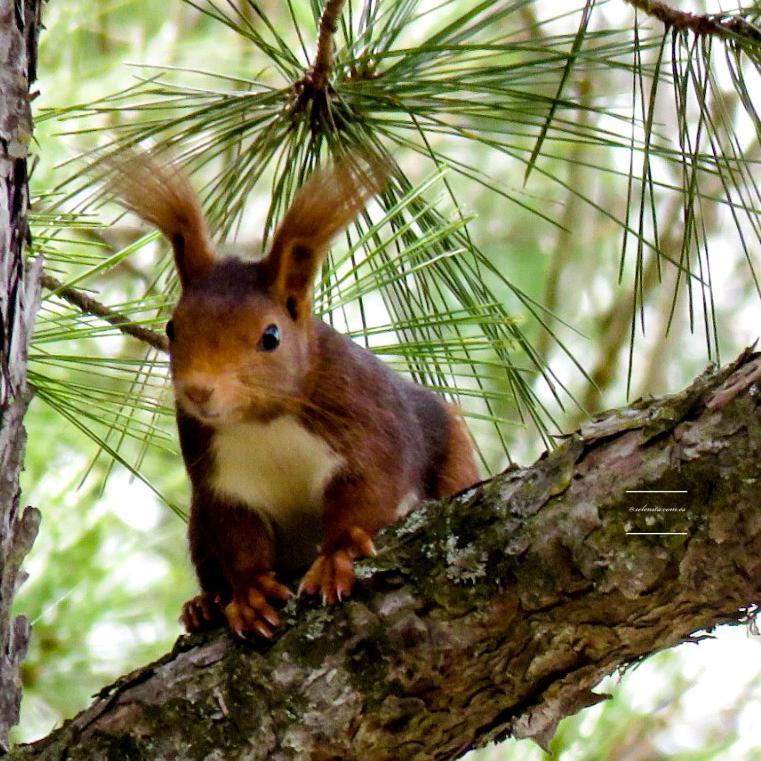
[19,297]
[493,613]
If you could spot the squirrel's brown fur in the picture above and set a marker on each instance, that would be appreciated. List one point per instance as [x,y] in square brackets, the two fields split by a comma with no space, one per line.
[292,434]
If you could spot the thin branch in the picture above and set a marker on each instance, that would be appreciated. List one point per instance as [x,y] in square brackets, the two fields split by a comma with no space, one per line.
[88,305]
[723,25]
[615,330]
[323,62]
[553,284]
[615,323]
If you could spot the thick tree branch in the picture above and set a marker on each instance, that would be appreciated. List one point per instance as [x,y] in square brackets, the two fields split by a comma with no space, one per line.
[89,305]
[493,613]
[19,300]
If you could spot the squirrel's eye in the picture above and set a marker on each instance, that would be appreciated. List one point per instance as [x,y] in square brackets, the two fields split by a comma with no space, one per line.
[170,330]
[270,339]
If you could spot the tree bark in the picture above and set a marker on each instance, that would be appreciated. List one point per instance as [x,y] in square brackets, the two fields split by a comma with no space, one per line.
[19,300]
[490,614]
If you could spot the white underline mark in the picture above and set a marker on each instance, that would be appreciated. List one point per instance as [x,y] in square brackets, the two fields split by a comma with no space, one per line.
[656,491]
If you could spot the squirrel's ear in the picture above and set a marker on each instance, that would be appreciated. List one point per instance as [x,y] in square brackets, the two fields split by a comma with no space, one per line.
[328,201]
[162,195]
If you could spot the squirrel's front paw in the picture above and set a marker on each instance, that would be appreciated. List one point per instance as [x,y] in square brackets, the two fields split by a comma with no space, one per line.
[249,610]
[333,572]
[204,611]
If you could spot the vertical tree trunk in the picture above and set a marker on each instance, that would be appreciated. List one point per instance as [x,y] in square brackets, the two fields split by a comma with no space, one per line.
[19,300]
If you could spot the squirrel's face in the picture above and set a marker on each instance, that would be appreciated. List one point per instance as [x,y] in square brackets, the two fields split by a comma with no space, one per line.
[236,356]
[240,337]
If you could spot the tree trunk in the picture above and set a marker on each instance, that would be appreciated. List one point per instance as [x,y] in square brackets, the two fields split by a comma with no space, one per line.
[489,614]
[19,300]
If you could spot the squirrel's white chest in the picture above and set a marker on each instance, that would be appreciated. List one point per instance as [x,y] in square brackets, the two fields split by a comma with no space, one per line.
[278,468]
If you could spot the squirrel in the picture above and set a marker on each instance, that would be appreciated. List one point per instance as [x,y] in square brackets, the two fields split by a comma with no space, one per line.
[300,445]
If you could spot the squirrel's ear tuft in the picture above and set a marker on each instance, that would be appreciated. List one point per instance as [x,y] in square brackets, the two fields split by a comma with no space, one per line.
[161,194]
[328,201]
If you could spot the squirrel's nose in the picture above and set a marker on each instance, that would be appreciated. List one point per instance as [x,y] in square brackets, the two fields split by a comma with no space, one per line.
[198,394]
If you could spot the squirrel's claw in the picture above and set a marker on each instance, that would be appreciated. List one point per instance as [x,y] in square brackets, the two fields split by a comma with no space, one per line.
[362,543]
[333,572]
[203,611]
[249,610]
[271,587]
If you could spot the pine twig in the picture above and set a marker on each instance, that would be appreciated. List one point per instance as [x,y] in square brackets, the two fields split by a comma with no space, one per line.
[716,24]
[323,62]
[89,305]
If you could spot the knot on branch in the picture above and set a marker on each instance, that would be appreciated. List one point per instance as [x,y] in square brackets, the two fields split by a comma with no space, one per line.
[314,88]
[314,93]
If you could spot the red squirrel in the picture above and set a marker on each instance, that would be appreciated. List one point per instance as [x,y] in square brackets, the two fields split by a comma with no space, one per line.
[300,445]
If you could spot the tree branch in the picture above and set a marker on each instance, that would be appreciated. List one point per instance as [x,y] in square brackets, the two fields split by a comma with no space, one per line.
[19,301]
[493,613]
[323,62]
[88,305]
[724,25]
